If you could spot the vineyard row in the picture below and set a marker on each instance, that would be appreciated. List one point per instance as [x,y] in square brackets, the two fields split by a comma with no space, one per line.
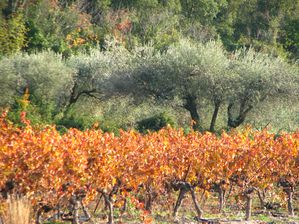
[80,165]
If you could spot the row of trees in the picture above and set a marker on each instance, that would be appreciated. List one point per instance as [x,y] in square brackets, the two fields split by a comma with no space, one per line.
[67,26]
[189,75]
[58,171]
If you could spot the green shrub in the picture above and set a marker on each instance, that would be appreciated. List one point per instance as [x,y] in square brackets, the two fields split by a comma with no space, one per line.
[38,114]
[110,125]
[80,122]
[156,122]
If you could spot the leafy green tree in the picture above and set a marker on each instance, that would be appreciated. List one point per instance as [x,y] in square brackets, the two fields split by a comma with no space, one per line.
[61,29]
[195,75]
[146,22]
[256,23]
[12,34]
[140,4]
[95,8]
[225,23]
[290,38]
[159,28]
[10,7]
[203,10]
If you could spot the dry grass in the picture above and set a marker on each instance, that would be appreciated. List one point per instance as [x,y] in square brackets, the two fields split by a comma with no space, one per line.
[17,211]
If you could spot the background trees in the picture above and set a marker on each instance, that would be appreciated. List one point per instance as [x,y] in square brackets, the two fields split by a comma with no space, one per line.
[70,25]
[198,82]
[196,75]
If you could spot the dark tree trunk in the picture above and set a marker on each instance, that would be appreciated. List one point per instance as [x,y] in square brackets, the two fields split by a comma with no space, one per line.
[76,94]
[237,121]
[110,208]
[248,193]
[40,211]
[76,207]
[150,197]
[191,106]
[184,188]
[148,203]
[109,201]
[214,117]
[196,205]
[248,206]
[85,211]
[221,193]
[248,196]
[10,8]
[229,192]
[98,203]
[290,193]
[178,202]
[261,196]
[124,208]
[38,217]
[110,217]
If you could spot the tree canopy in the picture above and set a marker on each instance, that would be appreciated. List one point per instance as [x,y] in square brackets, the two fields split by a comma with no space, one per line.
[67,26]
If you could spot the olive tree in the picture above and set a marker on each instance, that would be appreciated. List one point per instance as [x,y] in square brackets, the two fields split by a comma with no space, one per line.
[44,74]
[54,81]
[260,77]
[216,79]
[9,82]
[99,73]
[199,74]
[189,72]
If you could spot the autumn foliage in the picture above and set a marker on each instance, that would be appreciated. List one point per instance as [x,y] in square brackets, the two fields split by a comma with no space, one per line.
[49,167]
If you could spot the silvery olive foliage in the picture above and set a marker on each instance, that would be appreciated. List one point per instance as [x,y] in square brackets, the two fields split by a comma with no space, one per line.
[99,72]
[197,74]
[189,72]
[44,74]
[190,75]
[9,82]
[260,77]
